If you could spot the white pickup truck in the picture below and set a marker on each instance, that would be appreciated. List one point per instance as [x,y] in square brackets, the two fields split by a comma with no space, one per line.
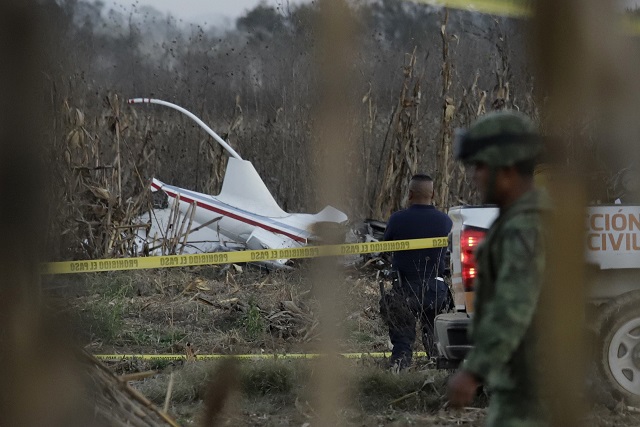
[613,256]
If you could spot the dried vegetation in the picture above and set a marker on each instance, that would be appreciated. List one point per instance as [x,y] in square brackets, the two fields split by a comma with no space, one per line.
[102,154]
[239,311]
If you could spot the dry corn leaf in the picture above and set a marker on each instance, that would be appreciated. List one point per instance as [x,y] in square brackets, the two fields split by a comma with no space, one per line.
[197,284]
[203,286]
[101,193]
[203,300]
[190,353]
[77,117]
[291,306]
[75,138]
[449,111]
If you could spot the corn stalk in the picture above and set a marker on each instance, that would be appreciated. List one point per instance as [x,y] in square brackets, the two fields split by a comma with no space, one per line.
[402,160]
[444,161]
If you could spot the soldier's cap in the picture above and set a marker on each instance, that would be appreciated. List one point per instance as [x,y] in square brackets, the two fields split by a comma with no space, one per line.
[500,138]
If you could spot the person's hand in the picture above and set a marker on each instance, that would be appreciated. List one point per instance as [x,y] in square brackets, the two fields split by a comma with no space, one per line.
[462,388]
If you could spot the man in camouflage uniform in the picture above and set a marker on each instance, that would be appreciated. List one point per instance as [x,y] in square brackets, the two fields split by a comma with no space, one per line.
[503,148]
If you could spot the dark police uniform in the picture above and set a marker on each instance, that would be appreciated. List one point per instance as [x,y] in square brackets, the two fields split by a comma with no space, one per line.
[419,292]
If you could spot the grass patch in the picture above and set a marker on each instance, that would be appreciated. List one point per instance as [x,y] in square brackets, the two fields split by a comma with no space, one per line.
[115,285]
[279,383]
[253,323]
[101,319]
[189,383]
[260,378]
[141,337]
[362,337]
[269,377]
[375,389]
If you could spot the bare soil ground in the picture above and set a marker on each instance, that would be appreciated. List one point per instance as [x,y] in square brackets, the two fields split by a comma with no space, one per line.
[245,310]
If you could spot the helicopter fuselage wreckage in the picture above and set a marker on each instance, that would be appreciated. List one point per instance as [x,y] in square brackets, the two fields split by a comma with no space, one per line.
[243,215]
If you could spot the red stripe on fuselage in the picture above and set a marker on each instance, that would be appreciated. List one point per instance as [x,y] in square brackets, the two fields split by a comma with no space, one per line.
[231,215]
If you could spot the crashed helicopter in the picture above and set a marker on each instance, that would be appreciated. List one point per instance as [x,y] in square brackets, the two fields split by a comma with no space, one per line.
[243,216]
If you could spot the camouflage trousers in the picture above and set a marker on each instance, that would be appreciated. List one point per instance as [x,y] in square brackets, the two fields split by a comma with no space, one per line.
[512,409]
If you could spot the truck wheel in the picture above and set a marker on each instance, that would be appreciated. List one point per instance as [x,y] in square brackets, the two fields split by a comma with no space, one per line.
[620,350]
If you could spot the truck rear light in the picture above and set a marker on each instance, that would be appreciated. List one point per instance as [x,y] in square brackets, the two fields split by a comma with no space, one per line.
[470,238]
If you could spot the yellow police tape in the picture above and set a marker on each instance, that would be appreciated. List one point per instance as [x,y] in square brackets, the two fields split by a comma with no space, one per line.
[511,8]
[273,356]
[515,9]
[165,261]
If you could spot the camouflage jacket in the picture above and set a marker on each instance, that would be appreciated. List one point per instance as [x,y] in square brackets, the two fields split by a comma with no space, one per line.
[511,264]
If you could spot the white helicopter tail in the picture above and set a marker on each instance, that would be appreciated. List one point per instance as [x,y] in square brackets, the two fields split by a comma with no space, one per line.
[243,188]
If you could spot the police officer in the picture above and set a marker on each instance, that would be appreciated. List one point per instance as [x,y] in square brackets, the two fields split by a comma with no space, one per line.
[419,291]
[503,148]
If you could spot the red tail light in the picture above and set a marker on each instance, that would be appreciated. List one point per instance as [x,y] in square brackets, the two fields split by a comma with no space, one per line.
[469,240]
